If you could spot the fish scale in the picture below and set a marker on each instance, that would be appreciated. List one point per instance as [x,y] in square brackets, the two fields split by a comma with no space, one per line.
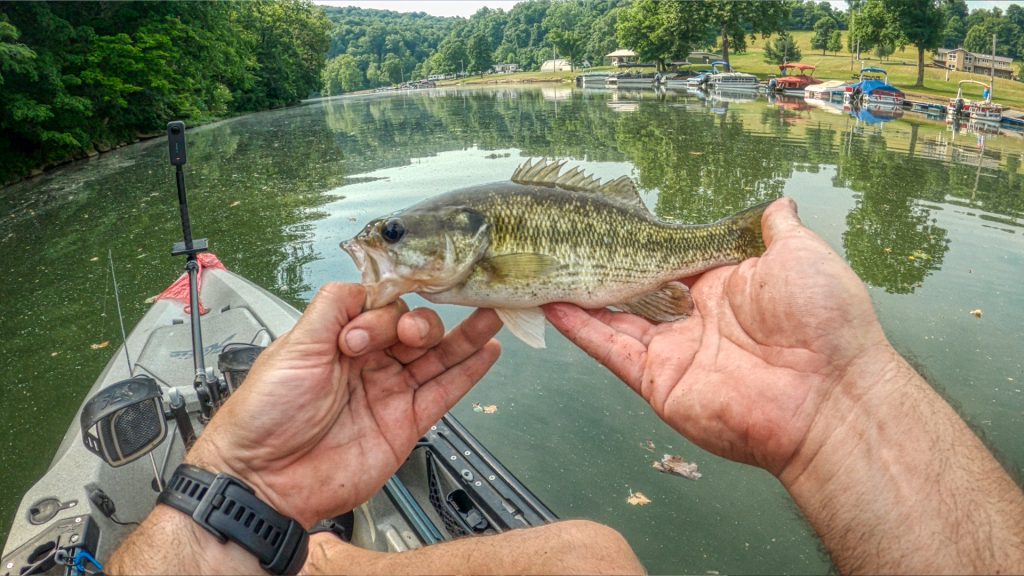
[544,237]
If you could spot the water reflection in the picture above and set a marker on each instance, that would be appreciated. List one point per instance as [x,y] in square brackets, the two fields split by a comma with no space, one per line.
[908,201]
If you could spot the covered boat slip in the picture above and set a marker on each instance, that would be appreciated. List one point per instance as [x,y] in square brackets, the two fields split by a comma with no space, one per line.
[450,486]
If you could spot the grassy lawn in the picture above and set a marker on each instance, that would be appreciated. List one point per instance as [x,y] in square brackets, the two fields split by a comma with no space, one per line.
[902,68]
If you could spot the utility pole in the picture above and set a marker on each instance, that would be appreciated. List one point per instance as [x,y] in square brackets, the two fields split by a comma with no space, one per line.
[992,69]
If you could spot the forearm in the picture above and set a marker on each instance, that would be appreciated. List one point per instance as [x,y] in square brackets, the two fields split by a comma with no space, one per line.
[169,542]
[895,482]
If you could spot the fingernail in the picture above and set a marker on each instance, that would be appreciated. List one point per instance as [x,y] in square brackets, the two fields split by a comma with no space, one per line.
[422,327]
[357,340]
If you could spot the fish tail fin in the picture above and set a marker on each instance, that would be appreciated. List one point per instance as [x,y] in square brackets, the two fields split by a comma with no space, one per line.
[748,224]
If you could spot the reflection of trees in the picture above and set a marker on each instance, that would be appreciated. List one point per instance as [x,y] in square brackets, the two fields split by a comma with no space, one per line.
[891,240]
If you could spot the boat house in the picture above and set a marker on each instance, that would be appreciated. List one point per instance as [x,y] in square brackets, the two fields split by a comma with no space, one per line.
[963,61]
[621,57]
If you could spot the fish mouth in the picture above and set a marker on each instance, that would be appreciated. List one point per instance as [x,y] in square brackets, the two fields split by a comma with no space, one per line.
[383,285]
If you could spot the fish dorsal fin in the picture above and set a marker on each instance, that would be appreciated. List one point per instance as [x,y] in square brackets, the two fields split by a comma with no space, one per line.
[525,323]
[666,304]
[549,173]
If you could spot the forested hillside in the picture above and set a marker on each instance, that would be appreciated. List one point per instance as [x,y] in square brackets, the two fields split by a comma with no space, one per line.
[77,77]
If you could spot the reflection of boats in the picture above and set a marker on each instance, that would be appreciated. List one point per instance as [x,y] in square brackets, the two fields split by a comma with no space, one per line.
[732,95]
[794,83]
[875,113]
[827,91]
[873,88]
[788,101]
[831,107]
[678,80]
[699,79]
[630,81]
[145,408]
[592,79]
[984,110]
[730,79]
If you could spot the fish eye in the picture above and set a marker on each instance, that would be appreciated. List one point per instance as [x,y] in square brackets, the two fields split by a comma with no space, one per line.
[392,230]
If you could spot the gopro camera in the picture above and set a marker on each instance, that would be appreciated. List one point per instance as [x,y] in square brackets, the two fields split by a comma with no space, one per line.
[176,142]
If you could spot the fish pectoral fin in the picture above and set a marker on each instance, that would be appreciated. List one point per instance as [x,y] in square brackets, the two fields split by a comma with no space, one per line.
[526,323]
[666,304]
[523,265]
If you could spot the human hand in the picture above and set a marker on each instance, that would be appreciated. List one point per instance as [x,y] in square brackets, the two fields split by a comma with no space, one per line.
[771,343]
[319,426]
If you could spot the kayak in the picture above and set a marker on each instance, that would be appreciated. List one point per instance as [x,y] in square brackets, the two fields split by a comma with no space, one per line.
[152,399]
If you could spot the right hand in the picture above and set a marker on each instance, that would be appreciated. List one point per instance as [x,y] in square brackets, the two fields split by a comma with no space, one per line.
[776,347]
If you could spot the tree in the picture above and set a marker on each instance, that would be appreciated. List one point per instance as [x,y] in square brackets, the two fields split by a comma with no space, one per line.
[954,32]
[479,52]
[823,29]
[661,31]
[874,24]
[920,22]
[782,49]
[835,42]
[341,74]
[979,37]
[564,25]
[735,20]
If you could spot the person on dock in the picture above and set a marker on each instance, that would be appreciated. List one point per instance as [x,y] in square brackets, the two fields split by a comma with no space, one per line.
[783,365]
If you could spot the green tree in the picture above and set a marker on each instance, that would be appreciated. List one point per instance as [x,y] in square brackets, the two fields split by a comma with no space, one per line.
[920,22]
[736,20]
[13,55]
[782,49]
[662,30]
[342,74]
[979,37]
[954,32]
[479,52]
[823,29]
[564,25]
[835,42]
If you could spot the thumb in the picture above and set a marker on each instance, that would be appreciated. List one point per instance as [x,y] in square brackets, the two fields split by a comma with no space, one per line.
[329,311]
[780,219]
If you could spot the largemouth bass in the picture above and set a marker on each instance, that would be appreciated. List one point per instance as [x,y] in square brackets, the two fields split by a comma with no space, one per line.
[546,236]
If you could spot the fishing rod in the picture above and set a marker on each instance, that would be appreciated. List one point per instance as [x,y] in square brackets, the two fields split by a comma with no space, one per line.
[206,386]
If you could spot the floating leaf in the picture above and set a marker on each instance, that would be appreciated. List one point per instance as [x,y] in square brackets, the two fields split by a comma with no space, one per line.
[676,465]
[920,255]
[696,153]
[648,445]
[54,353]
[103,344]
[235,203]
[638,499]
[477,407]
[152,299]
[94,258]
[976,312]
[887,250]
[490,409]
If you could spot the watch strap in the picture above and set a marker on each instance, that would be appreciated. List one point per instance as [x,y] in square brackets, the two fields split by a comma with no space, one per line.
[230,510]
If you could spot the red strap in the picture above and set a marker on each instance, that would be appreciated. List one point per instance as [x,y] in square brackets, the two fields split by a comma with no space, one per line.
[179,289]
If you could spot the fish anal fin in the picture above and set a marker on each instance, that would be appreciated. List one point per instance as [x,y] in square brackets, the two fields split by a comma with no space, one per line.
[523,265]
[670,302]
[527,324]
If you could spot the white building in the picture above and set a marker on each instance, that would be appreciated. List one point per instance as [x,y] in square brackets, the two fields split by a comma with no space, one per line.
[558,65]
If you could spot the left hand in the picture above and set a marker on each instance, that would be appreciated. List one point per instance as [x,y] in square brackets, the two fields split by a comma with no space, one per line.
[318,427]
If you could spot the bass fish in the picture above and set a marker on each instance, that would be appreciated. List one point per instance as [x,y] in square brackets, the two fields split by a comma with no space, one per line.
[546,236]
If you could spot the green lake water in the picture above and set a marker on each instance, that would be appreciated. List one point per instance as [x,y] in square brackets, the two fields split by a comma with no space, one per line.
[931,220]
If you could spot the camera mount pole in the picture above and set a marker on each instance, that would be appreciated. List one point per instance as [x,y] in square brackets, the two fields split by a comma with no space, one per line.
[209,392]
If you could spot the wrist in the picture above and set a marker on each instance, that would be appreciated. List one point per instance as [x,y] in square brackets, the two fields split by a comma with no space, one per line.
[862,409]
[208,455]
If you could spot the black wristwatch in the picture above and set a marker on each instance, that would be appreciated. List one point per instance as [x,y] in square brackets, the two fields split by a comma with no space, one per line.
[229,509]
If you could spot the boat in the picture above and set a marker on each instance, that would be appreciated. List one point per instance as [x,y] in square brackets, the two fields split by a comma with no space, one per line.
[677,80]
[627,80]
[794,83]
[148,404]
[592,79]
[984,110]
[699,79]
[873,88]
[826,91]
[724,78]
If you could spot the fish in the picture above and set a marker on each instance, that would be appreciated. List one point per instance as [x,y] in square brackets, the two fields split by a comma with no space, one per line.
[545,236]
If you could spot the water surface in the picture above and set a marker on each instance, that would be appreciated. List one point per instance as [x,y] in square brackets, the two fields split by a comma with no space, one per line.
[931,220]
